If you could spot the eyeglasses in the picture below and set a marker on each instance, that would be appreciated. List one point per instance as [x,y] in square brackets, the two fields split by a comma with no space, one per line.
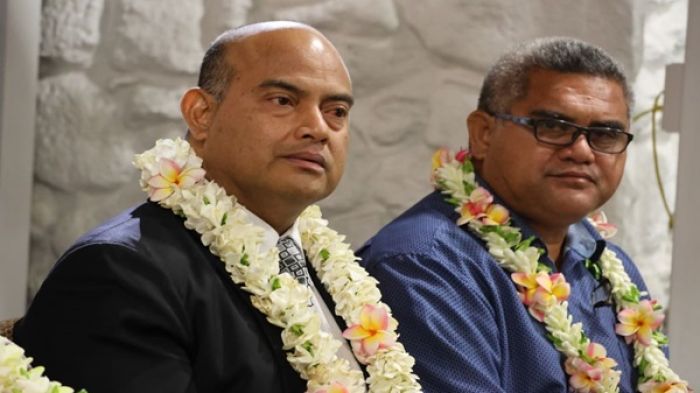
[561,133]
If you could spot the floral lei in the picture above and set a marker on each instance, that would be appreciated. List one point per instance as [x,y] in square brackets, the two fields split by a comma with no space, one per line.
[172,175]
[545,294]
[18,376]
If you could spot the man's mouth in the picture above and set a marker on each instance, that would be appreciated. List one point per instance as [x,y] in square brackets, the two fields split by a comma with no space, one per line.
[574,176]
[307,160]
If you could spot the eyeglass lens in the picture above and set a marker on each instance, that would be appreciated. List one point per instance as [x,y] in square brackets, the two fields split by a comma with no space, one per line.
[561,133]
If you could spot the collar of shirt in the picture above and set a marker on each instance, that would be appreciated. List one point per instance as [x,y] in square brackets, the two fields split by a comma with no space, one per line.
[270,236]
[328,323]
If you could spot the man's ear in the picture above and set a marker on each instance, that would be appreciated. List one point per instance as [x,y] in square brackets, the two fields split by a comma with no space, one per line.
[198,108]
[481,126]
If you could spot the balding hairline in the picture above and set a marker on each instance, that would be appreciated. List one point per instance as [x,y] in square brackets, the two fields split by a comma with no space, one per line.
[217,72]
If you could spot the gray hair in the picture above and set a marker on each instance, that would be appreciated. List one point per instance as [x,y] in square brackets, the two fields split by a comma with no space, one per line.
[506,82]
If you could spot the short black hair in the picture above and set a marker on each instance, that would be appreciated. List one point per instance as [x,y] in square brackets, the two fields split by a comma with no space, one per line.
[216,73]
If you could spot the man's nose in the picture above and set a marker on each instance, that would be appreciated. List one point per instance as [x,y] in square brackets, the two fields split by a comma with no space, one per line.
[580,150]
[312,124]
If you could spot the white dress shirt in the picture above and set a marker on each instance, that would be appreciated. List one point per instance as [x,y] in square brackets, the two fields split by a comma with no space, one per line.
[328,323]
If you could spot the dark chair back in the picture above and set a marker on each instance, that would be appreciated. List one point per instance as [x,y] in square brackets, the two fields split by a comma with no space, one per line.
[7,327]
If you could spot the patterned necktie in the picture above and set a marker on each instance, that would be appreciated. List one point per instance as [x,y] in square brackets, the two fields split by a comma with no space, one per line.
[291,260]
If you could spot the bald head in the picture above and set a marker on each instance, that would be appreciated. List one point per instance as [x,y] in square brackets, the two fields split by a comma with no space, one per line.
[245,44]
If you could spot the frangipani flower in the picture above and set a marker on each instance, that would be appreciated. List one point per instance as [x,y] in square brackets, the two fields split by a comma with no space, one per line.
[639,321]
[440,158]
[541,290]
[372,333]
[475,207]
[336,387]
[588,373]
[601,224]
[585,378]
[495,215]
[597,355]
[652,386]
[480,207]
[170,177]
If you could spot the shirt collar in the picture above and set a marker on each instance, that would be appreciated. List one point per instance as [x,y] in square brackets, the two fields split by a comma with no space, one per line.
[270,236]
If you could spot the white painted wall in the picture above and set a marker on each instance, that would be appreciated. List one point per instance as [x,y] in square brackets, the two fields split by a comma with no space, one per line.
[19,58]
[685,276]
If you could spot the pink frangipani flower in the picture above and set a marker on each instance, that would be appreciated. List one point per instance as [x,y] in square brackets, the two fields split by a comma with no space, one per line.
[480,207]
[440,158]
[639,321]
[541,290]
[372,333]
[652,386]
[588,372]
[336,387]
[601,224]
[170,177]
[475,208]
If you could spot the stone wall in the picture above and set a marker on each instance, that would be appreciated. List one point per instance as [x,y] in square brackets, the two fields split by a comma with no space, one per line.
[112,73]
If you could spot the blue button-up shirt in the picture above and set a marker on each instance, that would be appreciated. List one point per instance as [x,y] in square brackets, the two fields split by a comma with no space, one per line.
[459,313]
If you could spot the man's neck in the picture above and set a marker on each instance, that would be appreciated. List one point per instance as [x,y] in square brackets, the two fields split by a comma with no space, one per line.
[276,213]
[278,220]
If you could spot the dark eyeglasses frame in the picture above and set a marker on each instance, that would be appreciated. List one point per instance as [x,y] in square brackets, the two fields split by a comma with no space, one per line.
[531,124]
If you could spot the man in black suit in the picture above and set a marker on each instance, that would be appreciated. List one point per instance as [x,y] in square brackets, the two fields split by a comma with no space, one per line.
[140,304]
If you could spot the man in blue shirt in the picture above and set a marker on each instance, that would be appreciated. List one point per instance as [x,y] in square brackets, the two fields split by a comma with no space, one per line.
[548,142]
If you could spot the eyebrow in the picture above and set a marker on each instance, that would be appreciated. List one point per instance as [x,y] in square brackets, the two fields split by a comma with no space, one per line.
[560,116]
[347,98]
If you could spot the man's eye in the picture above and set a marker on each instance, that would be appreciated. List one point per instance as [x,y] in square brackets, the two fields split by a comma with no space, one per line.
[550,123]
[340,112]
[284,101]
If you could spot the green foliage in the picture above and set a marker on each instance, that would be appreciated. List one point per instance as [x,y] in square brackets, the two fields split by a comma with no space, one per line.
[297,329]
[309,347]
[632,295]
[594,268]
[524,244]
[660,338]
[276,284]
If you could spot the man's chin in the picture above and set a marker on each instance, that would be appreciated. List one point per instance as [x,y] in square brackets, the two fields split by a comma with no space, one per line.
[308,193]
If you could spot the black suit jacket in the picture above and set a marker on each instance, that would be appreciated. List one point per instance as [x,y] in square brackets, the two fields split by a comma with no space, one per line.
[140,305]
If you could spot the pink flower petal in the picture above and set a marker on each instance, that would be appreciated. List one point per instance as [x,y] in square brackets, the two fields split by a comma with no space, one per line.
[381,339]
[356,332]
[624,329]
[159,181]
[378,318]
[169,169]
[524,279]
[157,195]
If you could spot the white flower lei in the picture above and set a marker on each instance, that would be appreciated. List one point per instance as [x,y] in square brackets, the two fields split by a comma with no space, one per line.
[226,230]
[454,176]
[18,376]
